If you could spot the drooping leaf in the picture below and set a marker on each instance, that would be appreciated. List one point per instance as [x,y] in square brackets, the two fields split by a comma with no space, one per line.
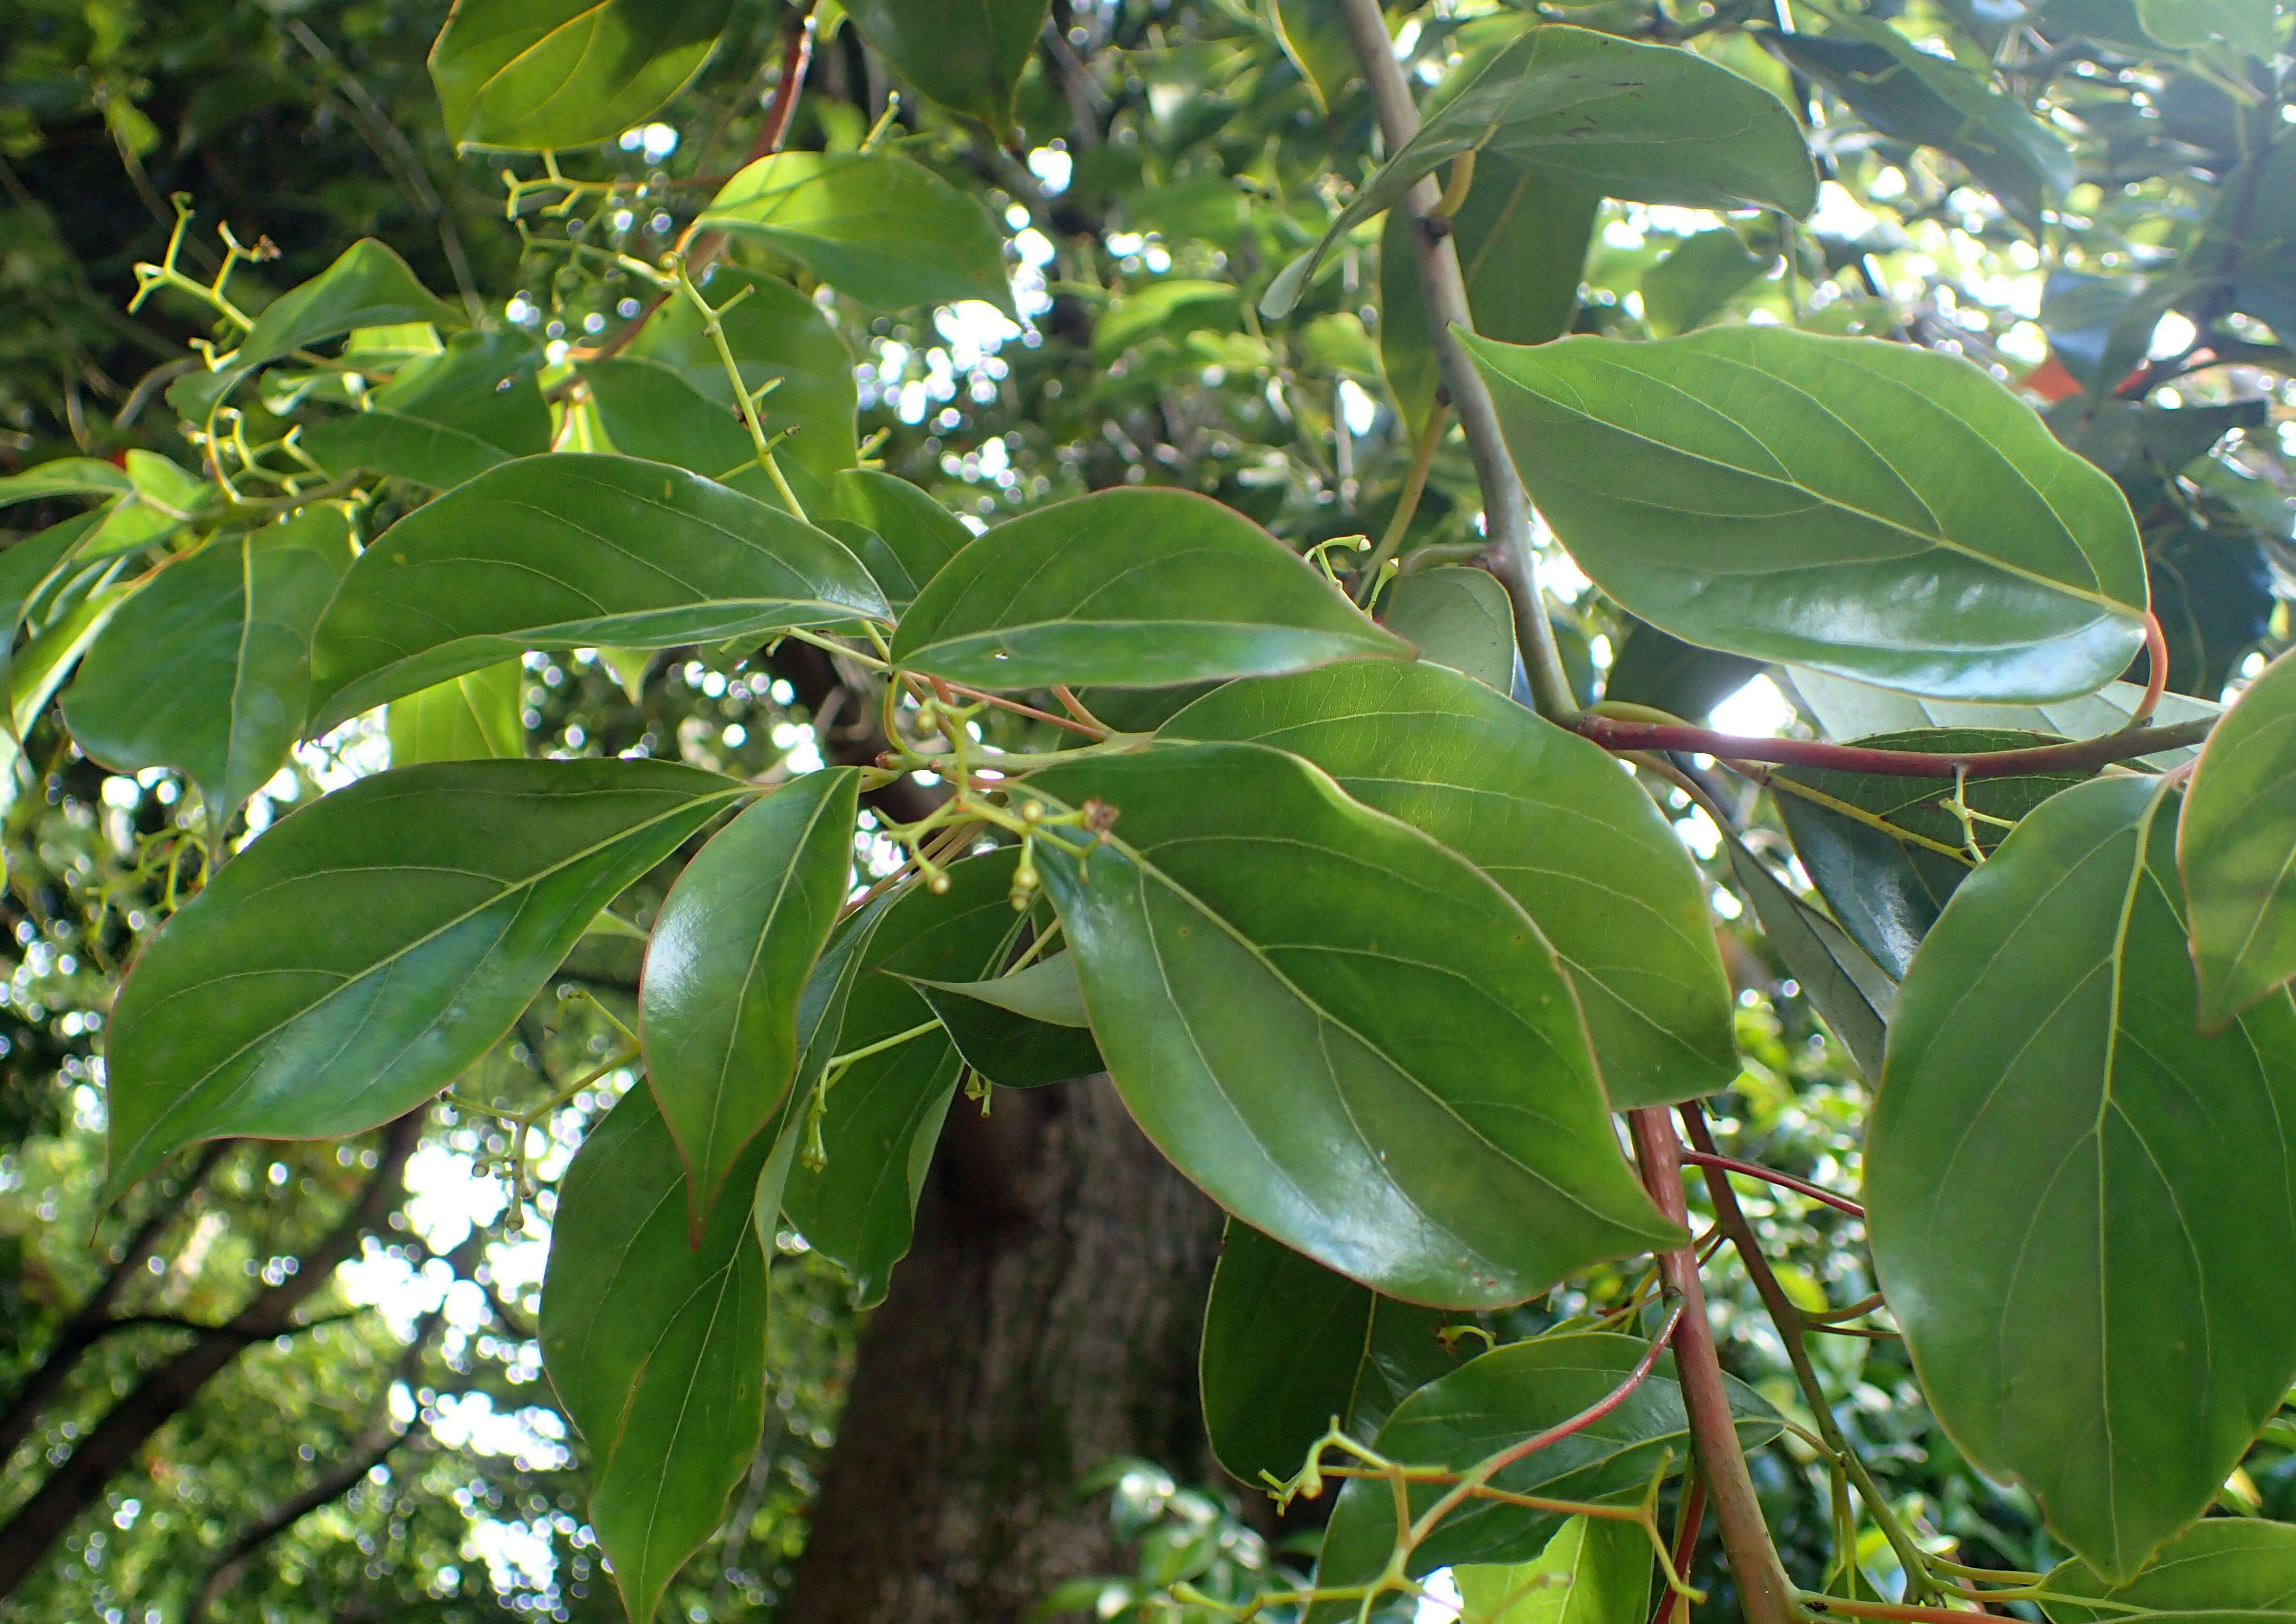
[1695,279]
[1852,993]
[1459,618]
[875,226]
[572,551]
[730,952]
[967,57]
[1656,668]
[73,618]
[2079,1205]
[1543,812]
[2213,591]
[207,668]
[1849,709]
[355,959]
[2236,848]
[1870,509]
[1595,1570]
[1652,123]
[1502,1398]
[910,537]
[1290,1347]
[655,1341]
[475,716]
[446,419]
[2234,1566]
[34,571]
[1021,1030]
[1348,1037]
[528,75]
[1134,588]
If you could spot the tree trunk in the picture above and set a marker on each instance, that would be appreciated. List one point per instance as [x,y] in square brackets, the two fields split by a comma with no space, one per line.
[1046,1319]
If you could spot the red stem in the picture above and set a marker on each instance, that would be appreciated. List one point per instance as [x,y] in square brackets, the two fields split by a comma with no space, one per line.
[1602,1406]
[1785,1180]
[1612,733]
[1685,1545]
[2156,668]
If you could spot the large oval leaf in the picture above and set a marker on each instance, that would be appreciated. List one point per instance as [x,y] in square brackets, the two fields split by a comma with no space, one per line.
[2231,1564]
[655,1341]
[1133,590]
[730,952]
[534,74]
[355,959]
[1870,509]
[572,551]
[2236,847]
[1545,813]
[965,57]
[2080,1207]
[1348,1037]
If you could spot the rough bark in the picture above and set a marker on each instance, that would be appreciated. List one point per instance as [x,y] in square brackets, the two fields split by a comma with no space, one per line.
[1045,1320]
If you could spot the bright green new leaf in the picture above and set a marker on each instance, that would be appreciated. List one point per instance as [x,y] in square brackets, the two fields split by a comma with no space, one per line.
[2081,1207]
[1021,1030]
[1458,617]
[1655,123]
[875,226]
[1134,588]
[731,951]
[447,418]
[73,617]
[1849,711]
[207,668]
[1289,1346]
[1875,510]
[572,551]
[529,75]
[2237,848]
[1345,1035]
[2238,1565]
[1498,1399]
[65,476]
[655,1340]
[368,286]
[967,56]
[1595,1570]
[910,537]
[1852,993]
[353,961]
[1545,813]
[475,716]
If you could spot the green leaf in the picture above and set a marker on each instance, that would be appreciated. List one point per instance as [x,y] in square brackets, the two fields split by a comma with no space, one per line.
[356,958]
[1290,1347]
[1695,279]
[1871,509]
[368,286]
[1852,993]
[1458,617]
[1545,814]
[1651,668]
[2236,847]
[655,1340]
[572,551]
[1171,308]
[2080,1207]
[968,57]
[2246,246]
[883,1114]
[64,475]
[163,496]
[910,537]
[1500,1398]
[2191,24]
[1313,37]
[1345,1035]
[1134,588]
[1021,1030]
[1595,1570]
[717,1004]
[875,226]
[778,336]
[649,410]
[475,716]
[1851,711]
[207,668]
[1653,123]
[76,615]
[529,75]
[447,418]
[2225,1564]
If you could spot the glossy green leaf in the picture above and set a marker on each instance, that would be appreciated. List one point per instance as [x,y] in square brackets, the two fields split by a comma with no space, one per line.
[1849,991]
[730,953]
[2240,1565]
[1871,509]
[2237,848]
[1849,709]
[447,418]
[1047,992]
[655,1341]
[1290,1347]
[368,286]
[1695,279]
[356,958]
[968,57]
[1021,1030]
[535,74]
[1348,1037]
[572,551]
[778,336]
[1655,123]
[207,668]
[475,716]
[1134,588]
[910,537]
[1500,1398]
[855,1201]
[2079,1205]
[2190,24]
[875,226]
[1595,1570]
[1458,617]
[1545,814]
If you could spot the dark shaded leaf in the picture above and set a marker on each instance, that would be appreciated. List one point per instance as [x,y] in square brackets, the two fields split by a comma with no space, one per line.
[1458,617]
[968,57]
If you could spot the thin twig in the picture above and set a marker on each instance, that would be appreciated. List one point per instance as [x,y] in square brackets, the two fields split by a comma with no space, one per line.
[1614,734]
[1704,1159]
